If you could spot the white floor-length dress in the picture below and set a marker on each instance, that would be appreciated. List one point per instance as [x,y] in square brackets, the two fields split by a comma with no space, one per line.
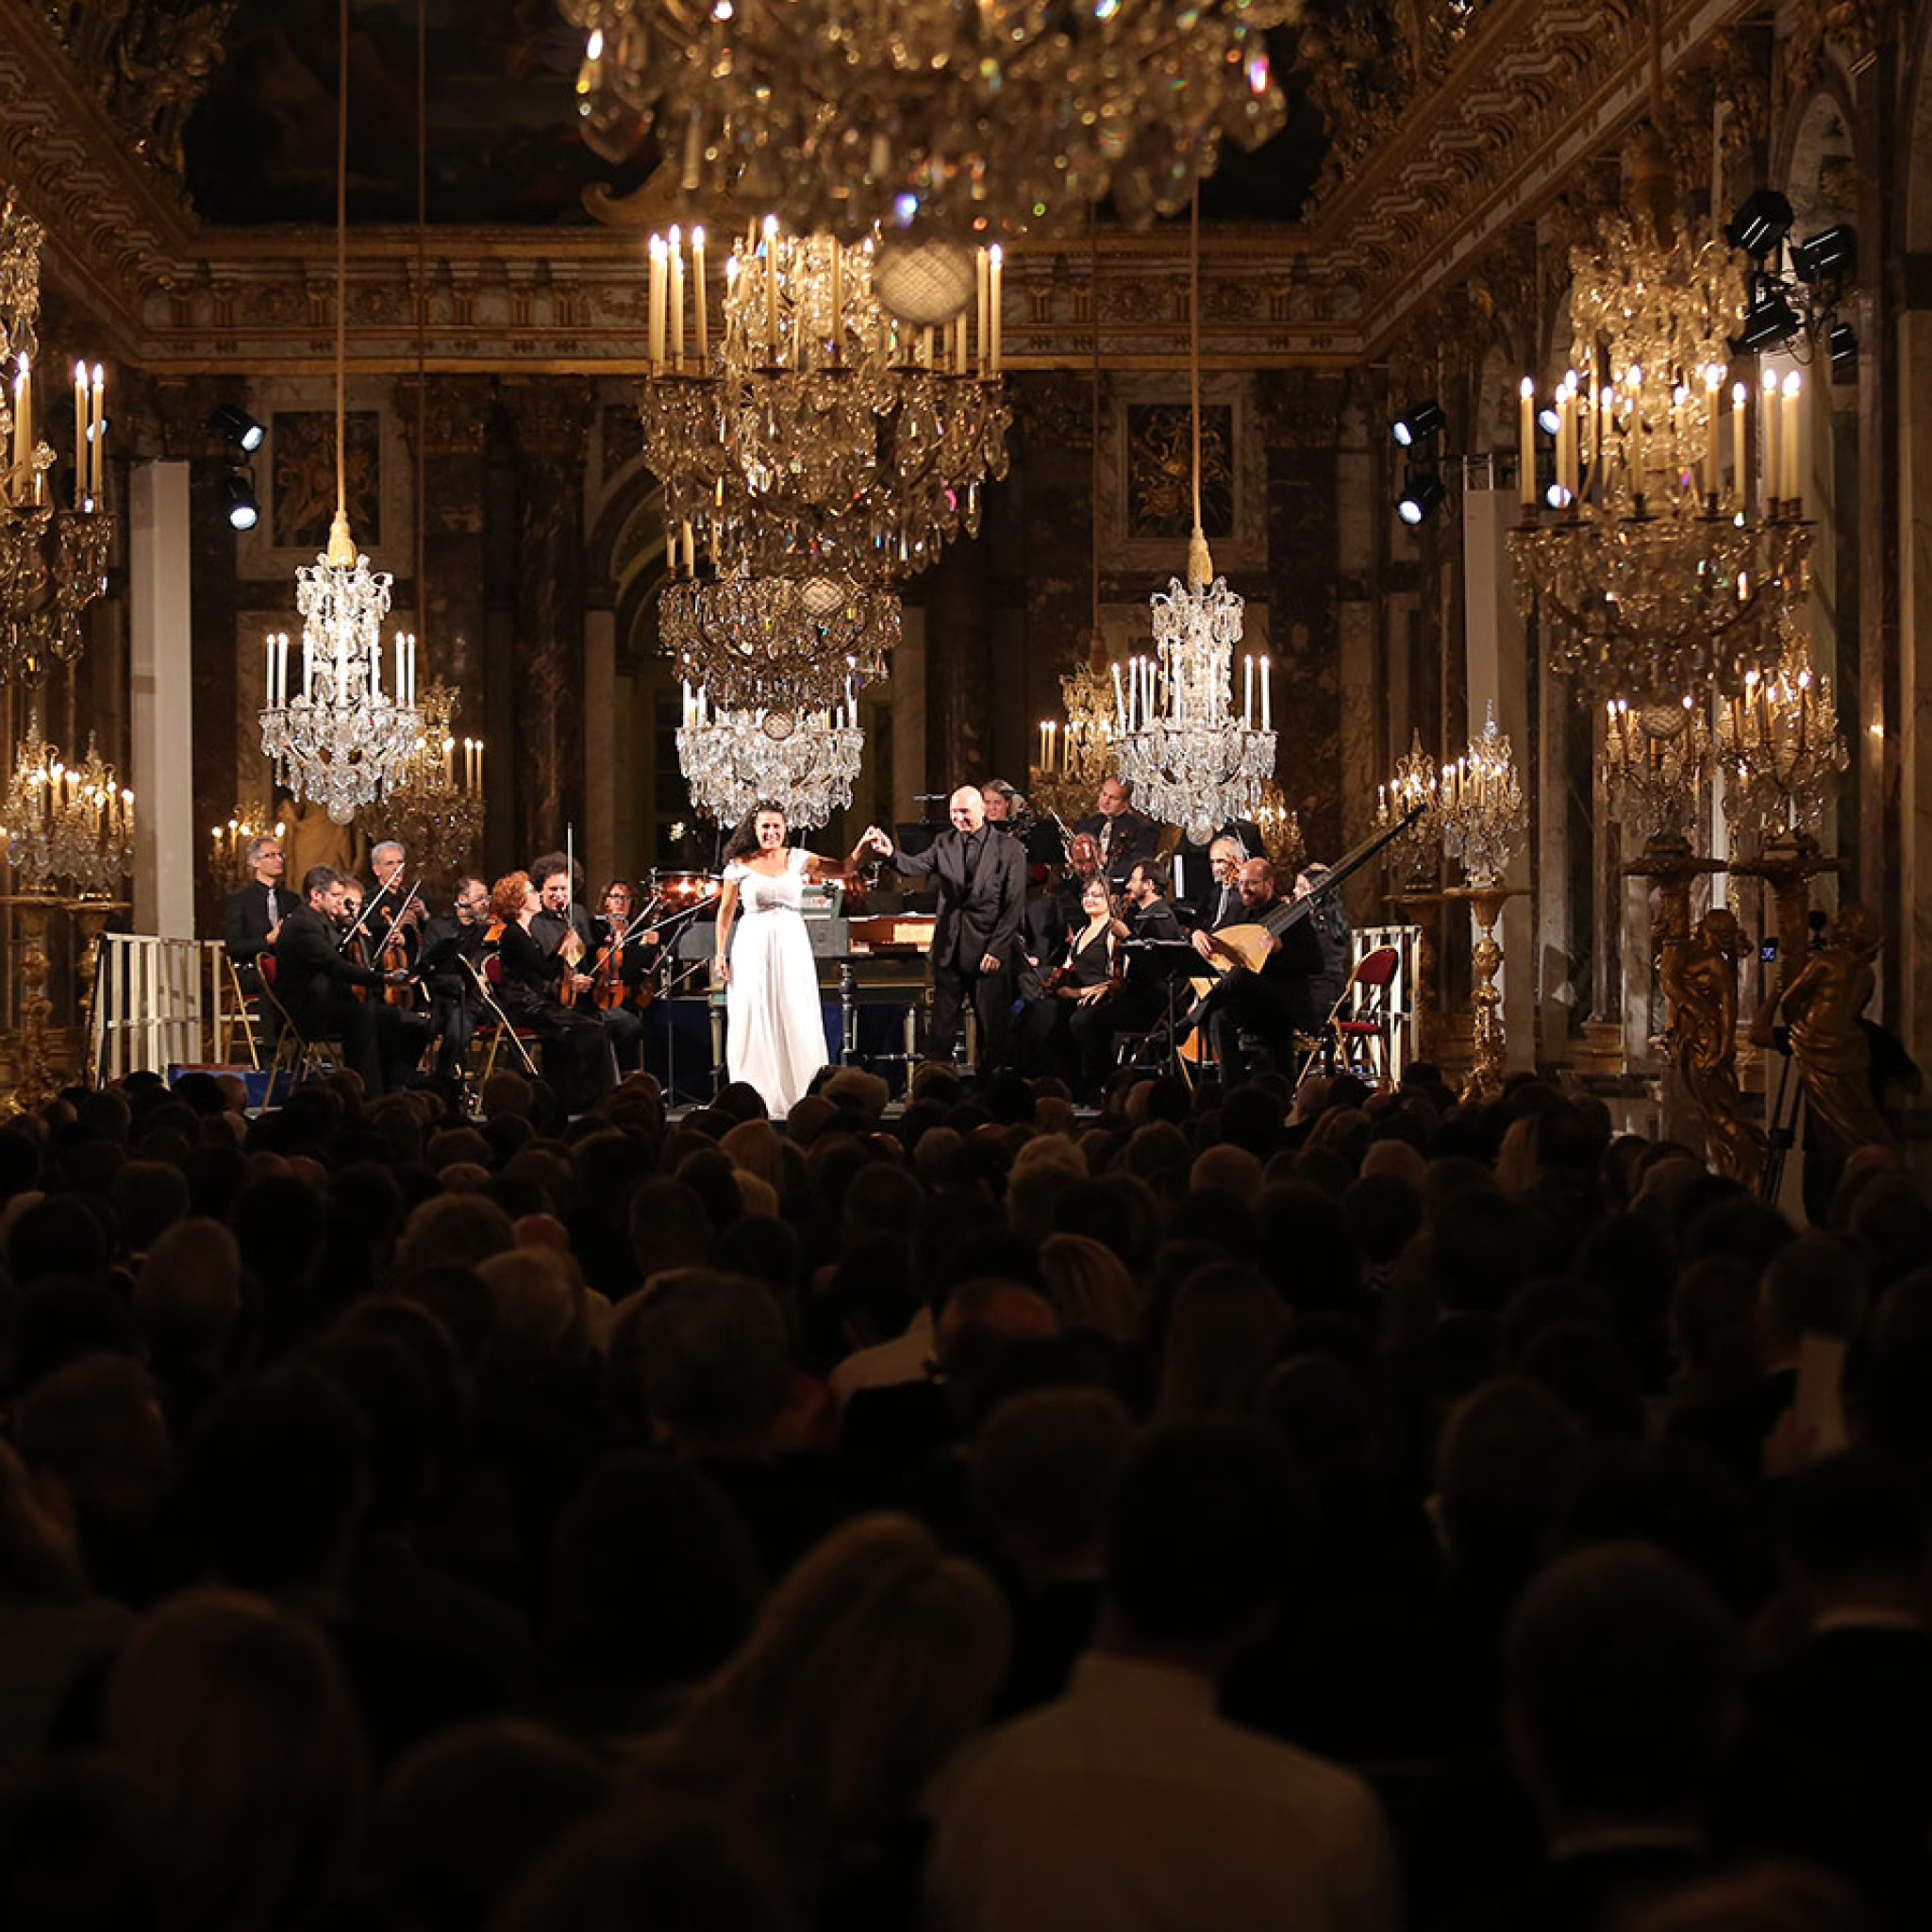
[774,1031]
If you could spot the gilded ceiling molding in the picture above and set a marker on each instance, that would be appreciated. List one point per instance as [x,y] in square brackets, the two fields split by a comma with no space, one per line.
[1854,29]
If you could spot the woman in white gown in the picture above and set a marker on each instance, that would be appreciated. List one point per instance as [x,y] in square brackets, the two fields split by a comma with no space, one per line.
[774,1037]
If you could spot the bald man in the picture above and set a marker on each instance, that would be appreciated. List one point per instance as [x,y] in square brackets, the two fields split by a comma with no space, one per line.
[981,877]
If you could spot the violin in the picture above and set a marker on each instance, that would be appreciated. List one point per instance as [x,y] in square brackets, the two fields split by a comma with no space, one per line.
[395,956]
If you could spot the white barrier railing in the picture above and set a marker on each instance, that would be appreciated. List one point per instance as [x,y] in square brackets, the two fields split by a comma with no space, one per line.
[159,1003]
[1400,1014]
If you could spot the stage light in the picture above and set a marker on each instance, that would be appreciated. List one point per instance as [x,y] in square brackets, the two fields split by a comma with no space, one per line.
[1842,341]
[1420,498]
[1418,423]
[1829,257]
[238,499]
[1769,320]
[1547,419]
[1762,223]
[1558,497]
[236,425]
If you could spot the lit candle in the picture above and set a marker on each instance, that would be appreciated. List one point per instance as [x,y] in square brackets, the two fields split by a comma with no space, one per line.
[1248,691]
[1042,744]
[22,434]
[269,668]
[412,671]
[1768,456]
[771,284]
[677,298]
[691,549]
[1741,398]
[996,260]
[1526,441]
[981,283]
[282,669]
[1713,396]
[837,317]
[1791,441]
[1120,703]
[399,667]
[83,460]
[697,276]
[657,306]
[100,400]
[1267,703]
[960,343]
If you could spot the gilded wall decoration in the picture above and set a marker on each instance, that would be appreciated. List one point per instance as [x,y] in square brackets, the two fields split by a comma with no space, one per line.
[1161,470]
[305,474]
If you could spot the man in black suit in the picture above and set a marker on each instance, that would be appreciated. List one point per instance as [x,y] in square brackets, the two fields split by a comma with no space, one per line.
[254,914]
[1122,835]
[1269,1004]
[314,981]
[981,875]
[1220,904]
[1200,875]
[447,943]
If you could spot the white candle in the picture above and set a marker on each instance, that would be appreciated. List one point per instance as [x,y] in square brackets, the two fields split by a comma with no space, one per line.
[1741,398]
[677,298]
[837,316]
[1042,744]
[269,668]
[1792,440]
[1713,397]
[308,664]
[657,304]
[399,667]
[1120,703]
[1267,702]
[697,276]
[1768,455]
[412,671]
[979,274]
[83,460]
[771,284]
[1525,441]
[22,435]
[996,260]
[1248,691]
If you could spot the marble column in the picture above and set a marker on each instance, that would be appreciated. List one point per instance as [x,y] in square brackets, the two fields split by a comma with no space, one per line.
[448,606]
[163,710]
[551,421]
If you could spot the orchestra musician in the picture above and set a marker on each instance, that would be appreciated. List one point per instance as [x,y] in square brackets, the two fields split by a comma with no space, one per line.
[1081,979]
[252,916]
[1199,879]
[1140,996]
[1329,921]
[560,909]
[317,981]
[981,876]
[1269,1003]
[576,1050]
[619,968]
[448,943]
[1221,904]
[1122,833]
[1048,916]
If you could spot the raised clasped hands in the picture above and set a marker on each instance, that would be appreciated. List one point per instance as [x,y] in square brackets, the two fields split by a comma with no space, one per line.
[878,840]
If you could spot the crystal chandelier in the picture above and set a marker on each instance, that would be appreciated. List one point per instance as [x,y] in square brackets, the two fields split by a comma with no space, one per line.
[435,811]
[1656,561]
[943,121]
[795,643]
[52,558]
[342,742]
[1780,747]
[68,827]
[1481,805]
[1191,760]
[1655,761]
[733,760]
[809,429]
[1411,788]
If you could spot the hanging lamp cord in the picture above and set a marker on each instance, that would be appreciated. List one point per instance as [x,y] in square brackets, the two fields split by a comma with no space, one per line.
[1200,564]
[341,549]
[422,308]
[1093,416]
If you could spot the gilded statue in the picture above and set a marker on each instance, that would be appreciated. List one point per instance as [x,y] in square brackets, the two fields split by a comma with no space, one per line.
[1699,970]
[1822,1007]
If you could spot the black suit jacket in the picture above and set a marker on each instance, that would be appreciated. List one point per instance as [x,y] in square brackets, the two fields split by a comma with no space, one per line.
[1133,838]
[978,913]
[1197,871]
[245,920]
[310,969]
[446,943]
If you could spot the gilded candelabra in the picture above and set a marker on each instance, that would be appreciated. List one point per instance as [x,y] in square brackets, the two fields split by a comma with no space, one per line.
[809,430]
[1780,746]
[1483,823]
[1077,756]
[436,809]
[1658,560]
[53,554]
[230,841]
[1416,849]
[1654,761]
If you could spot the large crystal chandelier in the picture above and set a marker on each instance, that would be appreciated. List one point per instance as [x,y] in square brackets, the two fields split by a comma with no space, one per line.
[53,557]
[68,827]
[811,429]
[342,742]
[1658,560]
[797,644]
[944,122]
[1780,747]
[733,760]
[1655,761]
[1480,801]
[1191,760]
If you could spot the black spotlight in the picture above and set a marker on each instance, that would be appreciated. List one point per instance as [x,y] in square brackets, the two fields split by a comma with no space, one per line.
[236,425]
[1830,257]
[1418,423]
[1547,419]
[1842,341]
[1768,321]
[1762,223]
[1422,497]
[238,499]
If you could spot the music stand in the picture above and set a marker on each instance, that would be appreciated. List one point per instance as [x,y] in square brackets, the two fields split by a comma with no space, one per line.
[1176,959]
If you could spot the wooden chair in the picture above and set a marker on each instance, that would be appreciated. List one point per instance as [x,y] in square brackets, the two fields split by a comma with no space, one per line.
[1358,1034]
[242,1014]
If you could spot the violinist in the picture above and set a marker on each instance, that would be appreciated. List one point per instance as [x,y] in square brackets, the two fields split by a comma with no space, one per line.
[1083,976]
[447,945]
[395,921]
[576,1050]
[1140,994]
[560,911]
[316,980]
[620,965]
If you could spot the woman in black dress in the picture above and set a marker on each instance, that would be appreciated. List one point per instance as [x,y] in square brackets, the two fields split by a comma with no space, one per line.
[1084,975]
[576,1050]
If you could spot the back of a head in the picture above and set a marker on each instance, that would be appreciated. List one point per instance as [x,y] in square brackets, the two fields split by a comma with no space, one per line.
[1045,1465]
[1507,1462]
[58,1235]
[1477,1245]
[465,1816]
[1624,1673]
[712,1355]
[1853,1519]
[1223,1328]
[237,1713]
[881,1199]
[538,1302]
[453,1231]
[1088,1287]
[669,1227]
[97,1423]
[149,1196]
[188,1291]
[1200,1542]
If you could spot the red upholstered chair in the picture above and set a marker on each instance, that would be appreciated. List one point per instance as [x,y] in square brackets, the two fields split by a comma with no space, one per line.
[1361,1034]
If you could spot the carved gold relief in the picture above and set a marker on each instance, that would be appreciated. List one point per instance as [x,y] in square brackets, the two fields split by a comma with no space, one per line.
[304,450]
[1161,470]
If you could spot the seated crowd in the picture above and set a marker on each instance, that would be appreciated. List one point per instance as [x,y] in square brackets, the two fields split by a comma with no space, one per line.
[1347,1512]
